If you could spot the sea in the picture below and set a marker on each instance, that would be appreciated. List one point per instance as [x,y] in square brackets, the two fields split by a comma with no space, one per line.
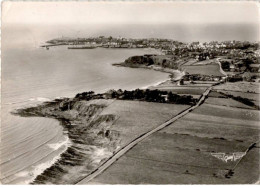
[31,75]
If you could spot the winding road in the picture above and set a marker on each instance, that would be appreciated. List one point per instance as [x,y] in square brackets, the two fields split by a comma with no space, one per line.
[220,67]
[126,148]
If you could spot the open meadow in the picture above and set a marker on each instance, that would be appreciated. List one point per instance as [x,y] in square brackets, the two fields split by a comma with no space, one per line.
[135,118]
[248,90]
[208,69]
[185,89]
[251,87]
[182,153]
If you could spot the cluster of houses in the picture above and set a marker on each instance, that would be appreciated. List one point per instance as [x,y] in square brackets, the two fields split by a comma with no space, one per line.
[168,46]
[115,42]
[235,56]
[239,65]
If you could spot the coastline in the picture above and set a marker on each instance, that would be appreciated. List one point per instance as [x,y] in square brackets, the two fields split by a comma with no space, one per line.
[65,123]
[60,162]
[153,67]
[89,131]
[41,167]
[155,84]
[177,74]
[41,97]
[74,152]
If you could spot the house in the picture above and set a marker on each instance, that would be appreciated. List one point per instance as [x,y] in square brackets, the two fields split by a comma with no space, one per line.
[165,97]
[217,79]
[232,67]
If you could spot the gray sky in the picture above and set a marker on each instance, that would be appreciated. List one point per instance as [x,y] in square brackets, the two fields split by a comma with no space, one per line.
[129,12]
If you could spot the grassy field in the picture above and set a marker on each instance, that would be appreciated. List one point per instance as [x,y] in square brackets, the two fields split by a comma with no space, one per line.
[181,153]
[251,87]
[252,96]
[227,102]
[188,90]
[205,62]
[135,117]
[190,62]
[210,69]
[247,90]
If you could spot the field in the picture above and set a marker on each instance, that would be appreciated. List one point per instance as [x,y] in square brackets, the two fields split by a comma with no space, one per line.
[251,96]
[227,102]
[251,87]
[182,152]
[205,62]
[210,69]
[190,62]
[247,90]
[97,129]
[196,62]
[188,90]
[135,117]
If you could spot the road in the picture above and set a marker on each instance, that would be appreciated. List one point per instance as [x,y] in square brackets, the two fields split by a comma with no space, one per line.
[220,67]
[125,149]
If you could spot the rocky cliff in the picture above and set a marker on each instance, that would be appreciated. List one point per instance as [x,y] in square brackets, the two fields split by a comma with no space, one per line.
[92,141]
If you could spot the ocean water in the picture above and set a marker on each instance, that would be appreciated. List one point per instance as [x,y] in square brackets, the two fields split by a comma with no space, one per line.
[31,75]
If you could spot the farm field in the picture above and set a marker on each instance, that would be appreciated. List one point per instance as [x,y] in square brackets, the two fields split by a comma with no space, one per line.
[189,62]
[247,90]
[210,69]
[202,83]
[196,62]
[183,89]
[240,86]
[185,84]
[135,117]
[205,62]
[252,96]
[182,152]
[227,102]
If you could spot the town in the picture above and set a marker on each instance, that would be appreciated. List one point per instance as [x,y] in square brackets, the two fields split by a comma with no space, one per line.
[240,60]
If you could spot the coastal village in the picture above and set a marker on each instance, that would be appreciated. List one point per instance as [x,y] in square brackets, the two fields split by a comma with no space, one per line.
[201,126]
[237,58]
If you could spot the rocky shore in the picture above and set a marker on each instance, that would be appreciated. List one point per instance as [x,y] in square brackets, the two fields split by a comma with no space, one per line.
[92,140]
[88,131]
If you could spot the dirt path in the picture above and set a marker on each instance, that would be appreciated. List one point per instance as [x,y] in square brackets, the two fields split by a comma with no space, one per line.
[220,67]
[125,149]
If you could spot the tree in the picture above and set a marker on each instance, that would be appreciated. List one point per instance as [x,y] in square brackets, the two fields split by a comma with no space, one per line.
[171,97]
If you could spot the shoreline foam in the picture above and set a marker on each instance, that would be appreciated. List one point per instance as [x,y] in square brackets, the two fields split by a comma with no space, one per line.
[39,169]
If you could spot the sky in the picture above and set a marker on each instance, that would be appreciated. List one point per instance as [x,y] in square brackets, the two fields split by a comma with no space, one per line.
[130,12]
[183,21]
